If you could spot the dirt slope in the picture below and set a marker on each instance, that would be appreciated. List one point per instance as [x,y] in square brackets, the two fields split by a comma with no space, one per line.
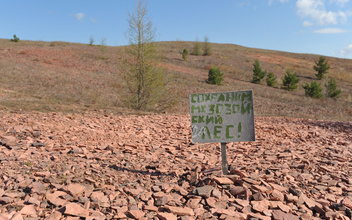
[67,77]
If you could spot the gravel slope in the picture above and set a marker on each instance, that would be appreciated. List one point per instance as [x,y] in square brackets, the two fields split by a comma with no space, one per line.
[104,166]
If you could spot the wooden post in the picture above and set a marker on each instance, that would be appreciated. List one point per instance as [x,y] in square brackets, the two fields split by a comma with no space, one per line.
[224,158]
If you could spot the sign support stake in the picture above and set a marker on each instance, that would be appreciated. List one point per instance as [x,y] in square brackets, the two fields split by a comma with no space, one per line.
[224,158]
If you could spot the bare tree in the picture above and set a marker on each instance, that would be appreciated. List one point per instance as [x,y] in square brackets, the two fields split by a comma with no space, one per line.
[144,80]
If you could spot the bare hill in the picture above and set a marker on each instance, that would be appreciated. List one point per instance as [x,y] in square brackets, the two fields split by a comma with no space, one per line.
[59,76]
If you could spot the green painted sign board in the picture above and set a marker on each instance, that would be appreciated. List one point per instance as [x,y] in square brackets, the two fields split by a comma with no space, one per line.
[222,117]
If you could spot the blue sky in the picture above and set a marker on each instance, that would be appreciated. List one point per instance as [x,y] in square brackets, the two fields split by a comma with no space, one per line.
[321,27]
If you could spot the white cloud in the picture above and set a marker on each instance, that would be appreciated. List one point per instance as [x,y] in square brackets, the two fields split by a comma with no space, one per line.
[315,11]
[330,31]
[340,3]
[347,51]
[307,23]
[80,16]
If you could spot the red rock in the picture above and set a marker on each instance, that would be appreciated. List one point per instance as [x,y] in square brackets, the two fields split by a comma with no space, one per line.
[76,189]
[251,181]
[258,196]
[150,208]
[17,216]
[262,189]
[96,215]
[309,202]
[260,206]
[216,193]
[291,198]
[330,197]
[133,192]
[161,201]
[37,187]
[166,187]
[42,174]
[13,195]
[121,209]
[6,200]
[223,180]
[187,217]
[58,201]
[347,202]
[278,187]
[211,201]
[222,204]
[335,190]
[76,210]
[137,214]
[279,215]
[156,188]
[181,190]
[305,216]
[54,216]
[100,198]
[229,212]
[304,177]
[259,216]
[324,202]
[53,198]
[8,141]
[29,210]
[193,202]
[158,194]
[204,191]
[35,201]
[166,216]
[73,218]
[180,210]
[268,212]
[120,215]
[120,202]
[276,195]
[237,190]
[284,207]
[242,202]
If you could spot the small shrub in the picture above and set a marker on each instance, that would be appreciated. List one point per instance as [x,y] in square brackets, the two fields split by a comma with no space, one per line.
[196,49]
[103,47]
[215,76]
[258,73]
[331,89]
[313,90]
[91,40]
[15,38]
[185,54]
[271,80]
[206,47]
[290,81]
[321,67]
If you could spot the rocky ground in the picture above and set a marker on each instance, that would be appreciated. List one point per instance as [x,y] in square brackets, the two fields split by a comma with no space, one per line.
[104,166]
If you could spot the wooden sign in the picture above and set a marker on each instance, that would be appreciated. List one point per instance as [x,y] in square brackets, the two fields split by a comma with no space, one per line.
[222,117]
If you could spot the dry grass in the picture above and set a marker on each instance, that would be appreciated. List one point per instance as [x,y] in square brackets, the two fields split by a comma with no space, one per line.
[60,76]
